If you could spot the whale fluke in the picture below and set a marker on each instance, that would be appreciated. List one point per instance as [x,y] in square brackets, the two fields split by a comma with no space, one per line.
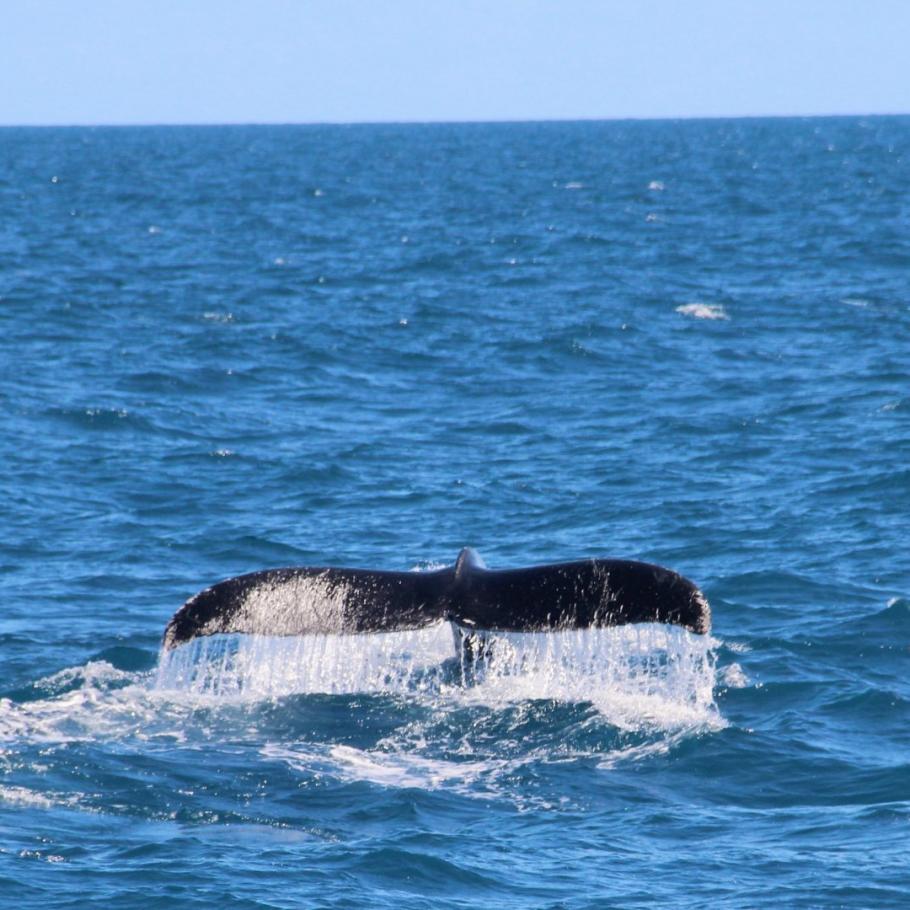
[317,601]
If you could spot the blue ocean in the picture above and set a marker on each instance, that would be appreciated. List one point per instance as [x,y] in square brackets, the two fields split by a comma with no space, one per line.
[224,349]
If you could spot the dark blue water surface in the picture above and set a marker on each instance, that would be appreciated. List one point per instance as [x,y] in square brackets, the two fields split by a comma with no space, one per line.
[223,349]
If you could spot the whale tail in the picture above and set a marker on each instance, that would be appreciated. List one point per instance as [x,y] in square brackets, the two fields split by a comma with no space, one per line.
[570,595]
[319,601]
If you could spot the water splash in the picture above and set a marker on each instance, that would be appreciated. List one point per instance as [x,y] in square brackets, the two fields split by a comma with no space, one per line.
[95,701]
[629,672]
[263,666]
[633,674]
[637,678]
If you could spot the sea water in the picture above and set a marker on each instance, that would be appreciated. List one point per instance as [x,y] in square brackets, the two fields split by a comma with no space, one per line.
[226,349]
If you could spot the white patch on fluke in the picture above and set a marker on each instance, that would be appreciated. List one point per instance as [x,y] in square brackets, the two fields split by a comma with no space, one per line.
[277,607]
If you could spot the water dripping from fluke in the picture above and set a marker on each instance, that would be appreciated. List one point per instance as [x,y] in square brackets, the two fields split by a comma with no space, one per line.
[633,671]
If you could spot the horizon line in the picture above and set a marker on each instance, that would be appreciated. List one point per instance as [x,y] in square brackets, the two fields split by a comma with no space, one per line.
[492,121]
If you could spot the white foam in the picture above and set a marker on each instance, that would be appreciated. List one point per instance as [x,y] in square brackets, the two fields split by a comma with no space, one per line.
[94,674]
[733,677]
[637,752]
[399,769]
[703,311]
[93,702]
[24,796]
[738,647]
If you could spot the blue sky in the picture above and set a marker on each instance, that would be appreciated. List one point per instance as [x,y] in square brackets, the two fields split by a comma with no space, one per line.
[221,61]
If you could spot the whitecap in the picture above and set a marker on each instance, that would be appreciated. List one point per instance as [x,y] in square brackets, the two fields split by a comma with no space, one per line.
[703,311]
[26,797]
